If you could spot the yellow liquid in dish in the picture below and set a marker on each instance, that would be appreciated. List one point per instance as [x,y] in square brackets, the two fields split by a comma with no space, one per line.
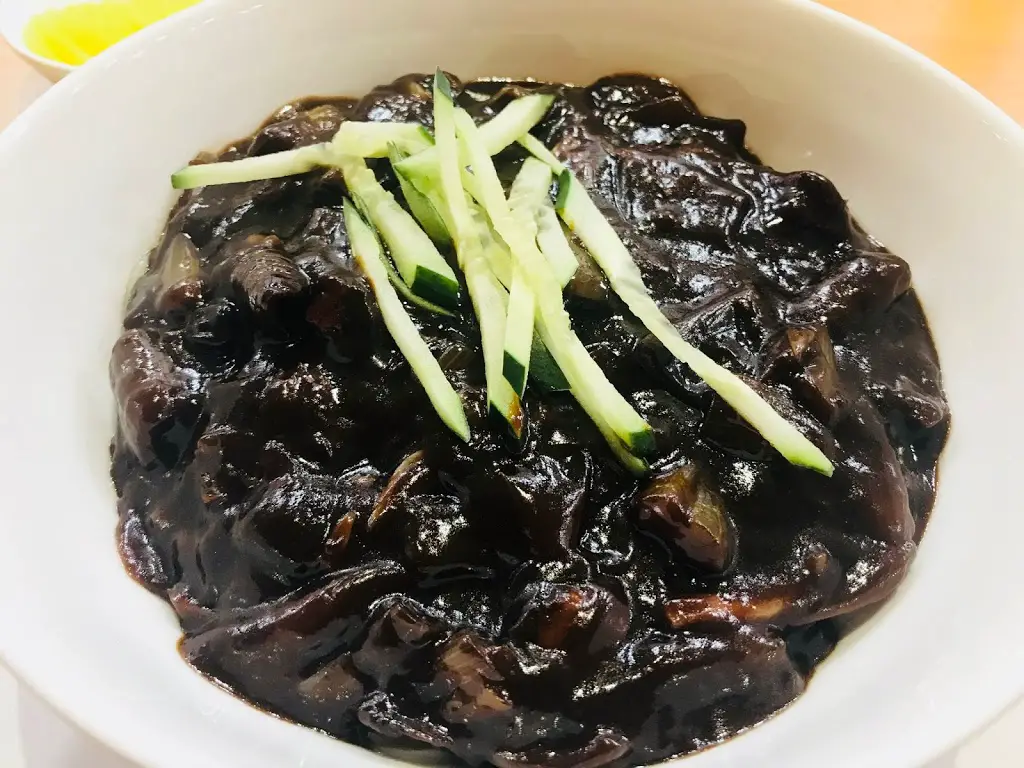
[74,34]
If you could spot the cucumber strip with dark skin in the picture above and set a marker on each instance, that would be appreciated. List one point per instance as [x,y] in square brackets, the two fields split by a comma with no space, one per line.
[485,291]
[544,371]
[529,190]
[495,252]
[529,200]
[408,295]
[420,205]
[367,251]
[584,218]
[618,420]
[608,250]
[420,264]
[519,323]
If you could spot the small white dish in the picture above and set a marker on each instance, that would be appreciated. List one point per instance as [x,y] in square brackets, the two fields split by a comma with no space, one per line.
[14,17]
[929,166]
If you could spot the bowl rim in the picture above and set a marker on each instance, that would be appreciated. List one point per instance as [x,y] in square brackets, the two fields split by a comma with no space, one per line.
[1002,693]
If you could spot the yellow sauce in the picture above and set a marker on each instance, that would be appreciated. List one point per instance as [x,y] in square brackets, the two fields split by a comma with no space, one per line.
[74,34]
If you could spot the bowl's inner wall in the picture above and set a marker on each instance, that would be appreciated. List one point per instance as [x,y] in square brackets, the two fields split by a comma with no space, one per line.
[84,193]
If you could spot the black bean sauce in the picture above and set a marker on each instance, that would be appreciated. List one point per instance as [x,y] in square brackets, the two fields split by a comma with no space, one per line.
[336,556]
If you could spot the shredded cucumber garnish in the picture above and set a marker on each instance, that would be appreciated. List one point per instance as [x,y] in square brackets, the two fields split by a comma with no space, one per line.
[544,371]
[529,190]
[368,254]
[418,261]
[484,289]
[518,118]
[275,166]
[515,256]
[530,202]
[553,244]
[408,295]
[496,252]
[353,138]
[518,333]
[584,218]
[515,120]
[619,422]
[422,207]
[538,149]
[360,139]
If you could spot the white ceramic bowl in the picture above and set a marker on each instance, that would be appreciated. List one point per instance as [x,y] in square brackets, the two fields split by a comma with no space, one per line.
[14,17]
[929,166]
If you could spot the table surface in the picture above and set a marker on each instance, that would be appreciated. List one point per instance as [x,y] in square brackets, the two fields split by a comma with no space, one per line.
[982,41]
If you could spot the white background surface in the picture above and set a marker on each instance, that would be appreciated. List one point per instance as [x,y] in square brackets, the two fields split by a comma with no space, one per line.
[33,736]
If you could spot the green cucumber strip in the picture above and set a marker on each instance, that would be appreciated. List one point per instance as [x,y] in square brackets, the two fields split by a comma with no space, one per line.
[274,166]
[430,188]
[603,403]
[420,264]
[517,118]
[529,188]
[498,257]
[411,297]
[544,371]
[578,210]
[583,217]
[495,252]
[590,403]
[519,332]
[554,245]
[538,149]
[529,191]
[360,139]
[446,160]
[422,208]
[530,201]
[485,291]
[368,254]
[489,303]
[498,133]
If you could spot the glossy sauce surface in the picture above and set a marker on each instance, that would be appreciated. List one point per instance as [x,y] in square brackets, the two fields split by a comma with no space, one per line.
[335,555]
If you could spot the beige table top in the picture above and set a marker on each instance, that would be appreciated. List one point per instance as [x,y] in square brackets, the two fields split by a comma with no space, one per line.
[982,41]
